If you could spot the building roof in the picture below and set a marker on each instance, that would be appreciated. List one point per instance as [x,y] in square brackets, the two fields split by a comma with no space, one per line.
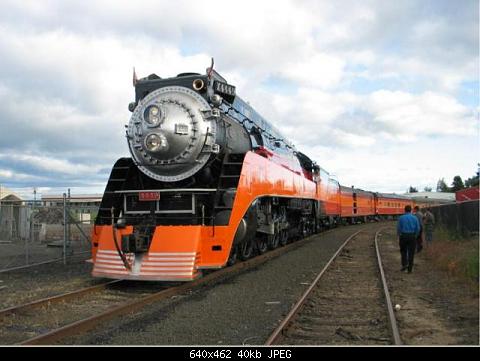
[8,195]
[434,196]
[392,195]
[73,198]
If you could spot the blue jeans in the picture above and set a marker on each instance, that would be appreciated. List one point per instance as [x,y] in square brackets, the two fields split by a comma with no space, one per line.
[408,244]
[429,234]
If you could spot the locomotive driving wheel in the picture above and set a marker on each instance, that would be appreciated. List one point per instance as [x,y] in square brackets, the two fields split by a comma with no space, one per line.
[245,250]
[262,244]
[273,240]
[283,237]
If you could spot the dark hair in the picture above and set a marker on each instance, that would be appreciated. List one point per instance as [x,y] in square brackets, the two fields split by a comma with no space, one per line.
[417,208]
[408,208]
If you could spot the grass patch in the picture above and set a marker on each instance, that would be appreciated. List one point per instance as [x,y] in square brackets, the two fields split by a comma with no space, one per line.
[455,254]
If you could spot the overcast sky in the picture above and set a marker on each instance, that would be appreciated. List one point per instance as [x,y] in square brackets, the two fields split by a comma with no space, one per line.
[383,94]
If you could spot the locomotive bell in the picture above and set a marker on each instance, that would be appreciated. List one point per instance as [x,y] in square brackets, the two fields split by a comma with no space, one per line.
[172,133]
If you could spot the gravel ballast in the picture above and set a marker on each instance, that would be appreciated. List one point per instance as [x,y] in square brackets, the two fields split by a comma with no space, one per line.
[33,283]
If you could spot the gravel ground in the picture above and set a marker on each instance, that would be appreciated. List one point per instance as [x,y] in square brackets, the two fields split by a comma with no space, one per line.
[15,254]
[435,308]
[37,282]
[242,310]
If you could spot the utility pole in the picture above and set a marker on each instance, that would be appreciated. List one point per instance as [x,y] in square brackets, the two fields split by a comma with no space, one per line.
[33,214]
[0,206]
[32,226]
[1,215]
[69,214]
[64,229]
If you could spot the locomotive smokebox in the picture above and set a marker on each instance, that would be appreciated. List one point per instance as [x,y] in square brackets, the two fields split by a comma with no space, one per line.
[173,133]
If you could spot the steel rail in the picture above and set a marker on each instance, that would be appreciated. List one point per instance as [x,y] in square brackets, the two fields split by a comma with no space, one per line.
[132,306]
[296,308]
[391,314]
[56,299]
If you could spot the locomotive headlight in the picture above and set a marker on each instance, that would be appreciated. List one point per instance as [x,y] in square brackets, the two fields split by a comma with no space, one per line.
[156,142]
[152,116]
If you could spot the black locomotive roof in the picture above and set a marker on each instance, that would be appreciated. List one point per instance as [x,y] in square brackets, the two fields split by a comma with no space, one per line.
[146,85]
[187,74]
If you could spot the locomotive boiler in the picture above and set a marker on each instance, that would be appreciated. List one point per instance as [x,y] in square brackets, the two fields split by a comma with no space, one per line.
[177,129]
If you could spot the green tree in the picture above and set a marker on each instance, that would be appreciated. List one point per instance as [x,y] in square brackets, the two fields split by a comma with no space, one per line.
[412,190]
[442,186]
[472,181]
[427,189]
[457,184]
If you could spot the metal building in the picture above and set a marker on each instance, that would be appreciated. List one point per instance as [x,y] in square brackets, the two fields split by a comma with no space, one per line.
[12,216]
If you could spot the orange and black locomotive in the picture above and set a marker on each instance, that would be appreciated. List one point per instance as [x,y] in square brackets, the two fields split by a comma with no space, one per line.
[209,181]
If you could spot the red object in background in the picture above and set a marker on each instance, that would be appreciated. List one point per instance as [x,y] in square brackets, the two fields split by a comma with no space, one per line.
[149,196]
[467,194]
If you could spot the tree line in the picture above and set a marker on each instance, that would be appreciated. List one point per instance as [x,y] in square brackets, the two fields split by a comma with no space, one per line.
[457,184]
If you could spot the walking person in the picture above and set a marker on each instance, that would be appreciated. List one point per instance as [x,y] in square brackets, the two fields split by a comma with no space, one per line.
[408,228]
[428,222]
[419,216]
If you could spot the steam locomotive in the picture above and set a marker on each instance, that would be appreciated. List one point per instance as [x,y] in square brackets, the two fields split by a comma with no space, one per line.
[210,181]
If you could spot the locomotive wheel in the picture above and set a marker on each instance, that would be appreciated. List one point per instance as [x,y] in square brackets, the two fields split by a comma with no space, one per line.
[245,250]
[283,237]
[273,240]
[311,229]
[303,230]
[234,255]
[262,244]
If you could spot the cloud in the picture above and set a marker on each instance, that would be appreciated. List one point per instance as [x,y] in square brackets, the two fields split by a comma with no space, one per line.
[52,165]
[318,71]
[89,72]
[6,173]
[408,116]
[290,32]
[66,105]
[346,119]
[334,77]
[14,175]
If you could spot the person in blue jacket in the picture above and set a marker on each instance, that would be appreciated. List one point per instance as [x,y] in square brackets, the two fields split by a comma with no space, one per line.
[408,229]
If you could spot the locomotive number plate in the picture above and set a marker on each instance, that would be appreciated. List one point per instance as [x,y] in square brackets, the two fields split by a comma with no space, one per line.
[148,196]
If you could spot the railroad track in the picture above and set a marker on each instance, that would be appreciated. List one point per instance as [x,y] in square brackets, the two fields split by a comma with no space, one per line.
[48,301]
[51,320]
[348,302]
[27,322]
